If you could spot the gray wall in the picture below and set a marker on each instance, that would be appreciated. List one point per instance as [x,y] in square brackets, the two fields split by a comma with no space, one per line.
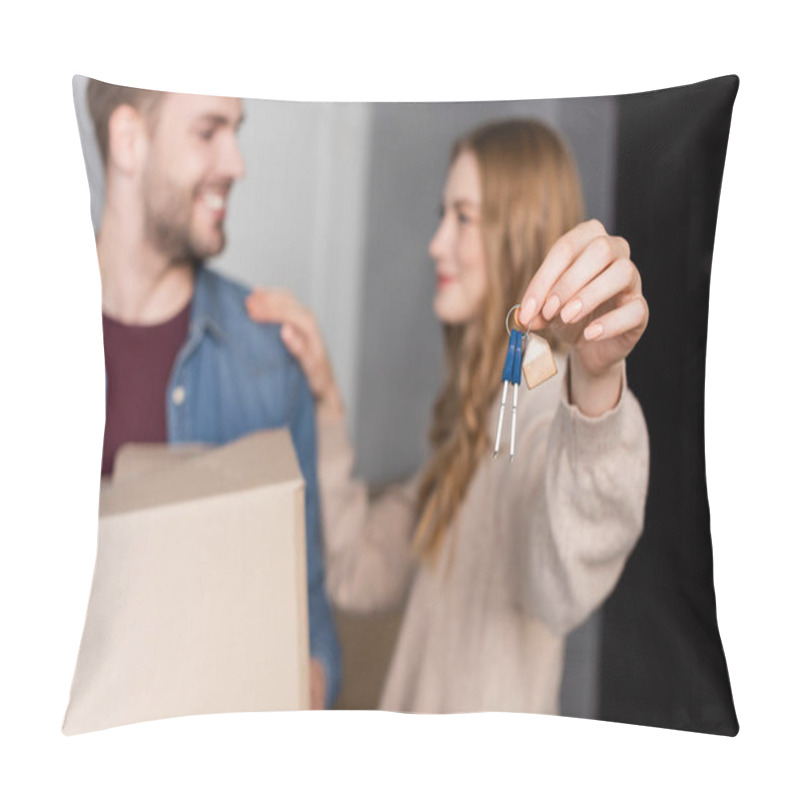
[338,204]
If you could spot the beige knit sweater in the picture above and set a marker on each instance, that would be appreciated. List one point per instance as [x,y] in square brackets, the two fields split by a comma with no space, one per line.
[538,545]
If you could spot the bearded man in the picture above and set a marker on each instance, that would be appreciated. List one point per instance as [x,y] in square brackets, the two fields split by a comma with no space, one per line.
[184,362]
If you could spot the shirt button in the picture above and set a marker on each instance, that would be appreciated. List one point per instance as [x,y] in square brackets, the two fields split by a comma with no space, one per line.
[178,395]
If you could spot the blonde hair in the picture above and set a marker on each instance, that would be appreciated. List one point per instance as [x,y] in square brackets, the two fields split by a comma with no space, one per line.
[530,196]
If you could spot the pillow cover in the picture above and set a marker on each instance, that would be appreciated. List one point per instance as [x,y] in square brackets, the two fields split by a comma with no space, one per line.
[663,659]
[337,202]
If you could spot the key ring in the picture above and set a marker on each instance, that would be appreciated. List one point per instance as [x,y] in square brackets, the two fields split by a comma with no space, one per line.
[510,312]
[511,376]
[541,367]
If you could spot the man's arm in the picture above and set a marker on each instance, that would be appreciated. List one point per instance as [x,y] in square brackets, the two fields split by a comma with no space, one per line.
[324,642]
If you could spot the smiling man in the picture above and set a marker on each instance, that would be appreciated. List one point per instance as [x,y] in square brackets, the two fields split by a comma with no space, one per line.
[184,363]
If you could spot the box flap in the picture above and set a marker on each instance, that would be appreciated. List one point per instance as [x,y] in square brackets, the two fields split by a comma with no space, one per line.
[264,457]
[136,458]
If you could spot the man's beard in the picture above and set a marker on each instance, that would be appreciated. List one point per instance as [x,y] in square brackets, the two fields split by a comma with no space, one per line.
[168,228]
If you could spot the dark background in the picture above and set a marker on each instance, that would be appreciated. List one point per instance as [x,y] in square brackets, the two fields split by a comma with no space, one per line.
[662,661]
[351,191]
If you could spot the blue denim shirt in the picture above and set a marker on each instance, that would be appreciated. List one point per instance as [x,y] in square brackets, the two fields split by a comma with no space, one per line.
[232,377]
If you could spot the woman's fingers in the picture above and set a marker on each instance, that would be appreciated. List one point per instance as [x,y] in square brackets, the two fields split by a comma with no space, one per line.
[295,342]
[631,316]
[300,347]
[621,276]
[278,306]
[269,305]
[596,258]
[560,256]
[301,336]
[299,332]
[310,353]
[281,306]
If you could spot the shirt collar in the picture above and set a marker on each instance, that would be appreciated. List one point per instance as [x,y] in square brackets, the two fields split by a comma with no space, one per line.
[207,313]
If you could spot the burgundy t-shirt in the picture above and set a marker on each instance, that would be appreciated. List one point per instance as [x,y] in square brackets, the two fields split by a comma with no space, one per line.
[139,361]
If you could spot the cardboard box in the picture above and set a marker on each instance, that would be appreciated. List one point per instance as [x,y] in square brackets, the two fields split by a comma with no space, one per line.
[199,600]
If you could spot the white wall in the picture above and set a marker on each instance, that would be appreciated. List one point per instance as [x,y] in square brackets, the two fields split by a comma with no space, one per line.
[297,217]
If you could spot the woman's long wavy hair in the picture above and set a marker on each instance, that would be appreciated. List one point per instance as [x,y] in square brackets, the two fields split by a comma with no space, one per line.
[530,196]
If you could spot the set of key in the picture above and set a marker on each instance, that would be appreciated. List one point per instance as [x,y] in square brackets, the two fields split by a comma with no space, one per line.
[512,373]
[529,355]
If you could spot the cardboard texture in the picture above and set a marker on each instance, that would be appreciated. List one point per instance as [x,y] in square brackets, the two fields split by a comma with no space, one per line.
[140,457]
[199,600]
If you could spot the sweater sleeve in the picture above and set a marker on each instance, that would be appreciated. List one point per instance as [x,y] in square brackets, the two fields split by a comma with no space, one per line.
[583,502]
[367,544]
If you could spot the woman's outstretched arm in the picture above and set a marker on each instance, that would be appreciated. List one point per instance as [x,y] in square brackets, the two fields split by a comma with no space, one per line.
[580,486]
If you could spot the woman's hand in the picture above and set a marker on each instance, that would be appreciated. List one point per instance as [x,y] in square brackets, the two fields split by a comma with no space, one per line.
[589,292]
[301,335]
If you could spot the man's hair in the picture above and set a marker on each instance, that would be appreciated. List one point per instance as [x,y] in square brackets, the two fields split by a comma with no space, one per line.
[104,98]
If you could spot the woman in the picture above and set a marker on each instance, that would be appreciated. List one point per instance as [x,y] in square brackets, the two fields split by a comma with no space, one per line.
[498,560]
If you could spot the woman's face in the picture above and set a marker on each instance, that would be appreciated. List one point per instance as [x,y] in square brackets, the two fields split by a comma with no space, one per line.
[457,246]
